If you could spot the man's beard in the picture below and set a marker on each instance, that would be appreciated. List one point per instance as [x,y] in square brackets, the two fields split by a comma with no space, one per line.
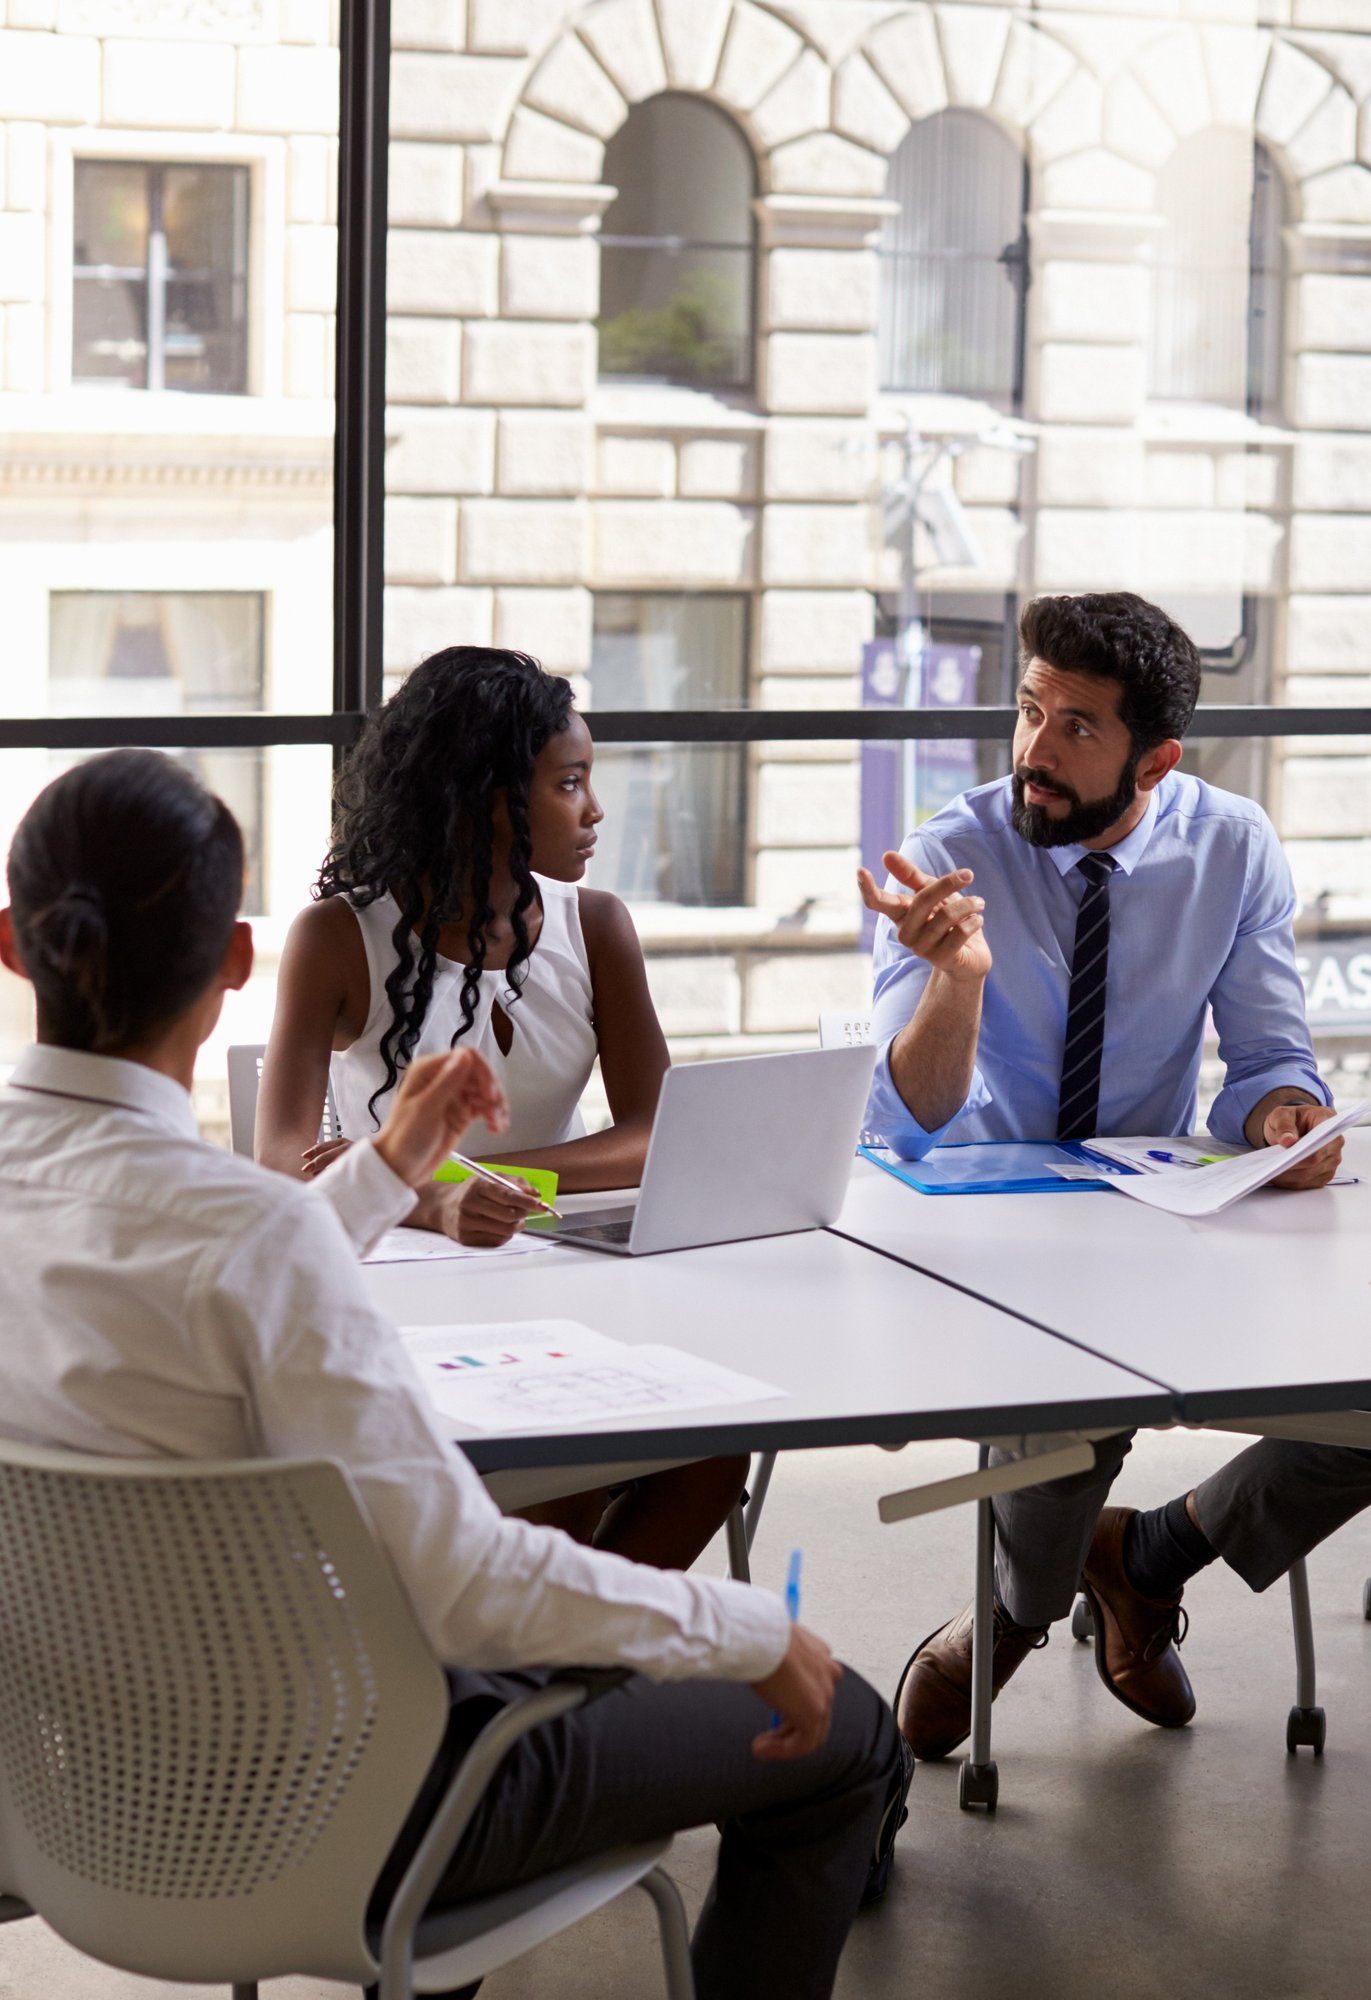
[1087,819]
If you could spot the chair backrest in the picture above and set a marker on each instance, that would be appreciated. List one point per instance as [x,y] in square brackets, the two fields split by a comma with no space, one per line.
[216,1709]
[244,1079]
[838,1031]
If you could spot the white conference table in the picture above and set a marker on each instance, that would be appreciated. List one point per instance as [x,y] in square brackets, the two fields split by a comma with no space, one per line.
[866,1350]
[1263,1310]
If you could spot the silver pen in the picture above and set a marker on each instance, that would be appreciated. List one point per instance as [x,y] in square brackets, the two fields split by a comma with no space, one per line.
[502,1181]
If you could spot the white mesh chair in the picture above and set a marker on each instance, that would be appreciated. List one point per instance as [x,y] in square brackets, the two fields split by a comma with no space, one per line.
[244,1079]
[216,1710]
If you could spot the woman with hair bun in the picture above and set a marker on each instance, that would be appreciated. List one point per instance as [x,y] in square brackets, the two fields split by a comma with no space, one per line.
[448,914]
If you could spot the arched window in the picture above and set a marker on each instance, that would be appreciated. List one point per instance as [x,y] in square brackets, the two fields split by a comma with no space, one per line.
[1266,291]
[954,261]
[1217,308]
[677,259]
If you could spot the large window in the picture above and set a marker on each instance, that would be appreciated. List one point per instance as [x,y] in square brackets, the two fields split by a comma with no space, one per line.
[169,251]
[954,261]
[705,573]
[160,276]
[675,814]
[676,260]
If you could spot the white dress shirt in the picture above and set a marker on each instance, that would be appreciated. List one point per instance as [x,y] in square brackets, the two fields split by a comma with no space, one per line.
[160,1298]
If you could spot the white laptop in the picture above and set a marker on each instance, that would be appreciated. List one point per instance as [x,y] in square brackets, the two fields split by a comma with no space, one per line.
[758,1146]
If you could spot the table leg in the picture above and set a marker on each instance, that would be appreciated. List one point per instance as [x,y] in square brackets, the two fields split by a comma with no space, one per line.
[978,1784]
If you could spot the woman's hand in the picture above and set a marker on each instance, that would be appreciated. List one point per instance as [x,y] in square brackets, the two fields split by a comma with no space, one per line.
[481,1215]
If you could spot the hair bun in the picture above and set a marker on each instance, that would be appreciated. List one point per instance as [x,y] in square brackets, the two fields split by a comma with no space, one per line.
[82,895]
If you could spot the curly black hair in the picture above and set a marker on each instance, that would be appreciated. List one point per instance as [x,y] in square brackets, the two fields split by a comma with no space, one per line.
[1120,637]
[414,816]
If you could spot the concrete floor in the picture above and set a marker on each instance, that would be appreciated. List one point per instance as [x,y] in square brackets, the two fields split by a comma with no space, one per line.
[1123,1862]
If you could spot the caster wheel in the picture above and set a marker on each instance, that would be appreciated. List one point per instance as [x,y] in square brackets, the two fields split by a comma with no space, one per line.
[1083,1624]
[978,1785]
[1366,1598]
[1305,1727]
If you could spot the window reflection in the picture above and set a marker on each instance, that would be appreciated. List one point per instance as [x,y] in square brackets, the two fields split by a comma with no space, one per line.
[160,276]
[675,814]
[676,261]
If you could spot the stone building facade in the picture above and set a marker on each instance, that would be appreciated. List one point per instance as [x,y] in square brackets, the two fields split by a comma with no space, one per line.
[524,487]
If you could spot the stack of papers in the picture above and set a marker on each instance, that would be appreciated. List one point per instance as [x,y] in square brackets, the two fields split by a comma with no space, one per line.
[525,1375]
[420,1246]
[1203,1179]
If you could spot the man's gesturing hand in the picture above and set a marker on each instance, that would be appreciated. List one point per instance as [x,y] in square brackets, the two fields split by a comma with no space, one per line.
[438,1098]
[1286,1123]
[937,922]
[801,1693]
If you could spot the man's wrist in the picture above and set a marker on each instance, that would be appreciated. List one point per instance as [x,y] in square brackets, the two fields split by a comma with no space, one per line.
[961,983]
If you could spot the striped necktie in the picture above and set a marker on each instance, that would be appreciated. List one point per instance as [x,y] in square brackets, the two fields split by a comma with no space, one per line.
[1078,1102]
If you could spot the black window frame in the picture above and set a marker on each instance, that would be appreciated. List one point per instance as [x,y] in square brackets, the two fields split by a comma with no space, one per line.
[358,527]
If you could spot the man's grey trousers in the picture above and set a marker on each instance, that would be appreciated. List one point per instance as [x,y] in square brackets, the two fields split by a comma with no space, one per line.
[1262,1511]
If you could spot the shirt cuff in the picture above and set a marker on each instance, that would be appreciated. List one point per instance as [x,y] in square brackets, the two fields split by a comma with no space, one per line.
[367,1197]
[757,1634]
[1234,1104]
[888,1114]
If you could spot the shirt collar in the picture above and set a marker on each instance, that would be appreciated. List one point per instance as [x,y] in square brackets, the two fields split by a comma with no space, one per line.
[130,1086]
[1125,856]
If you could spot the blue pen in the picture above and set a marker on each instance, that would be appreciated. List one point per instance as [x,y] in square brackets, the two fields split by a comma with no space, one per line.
[792,1587]
[792,1605]
[1175,1160]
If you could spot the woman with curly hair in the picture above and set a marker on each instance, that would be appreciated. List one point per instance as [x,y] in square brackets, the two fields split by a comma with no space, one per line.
[448,914]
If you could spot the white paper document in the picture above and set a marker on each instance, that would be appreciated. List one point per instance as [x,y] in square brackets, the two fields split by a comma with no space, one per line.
[1203,1179]
[422,1246]
[547,1374]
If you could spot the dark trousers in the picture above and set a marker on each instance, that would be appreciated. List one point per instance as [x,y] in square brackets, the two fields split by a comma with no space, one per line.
[646,1760]
[1262,1511]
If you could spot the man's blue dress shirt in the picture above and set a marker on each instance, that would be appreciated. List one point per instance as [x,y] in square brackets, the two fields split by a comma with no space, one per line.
[1201,903]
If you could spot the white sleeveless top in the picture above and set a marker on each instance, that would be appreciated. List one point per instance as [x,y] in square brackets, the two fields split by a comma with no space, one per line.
[552,1026]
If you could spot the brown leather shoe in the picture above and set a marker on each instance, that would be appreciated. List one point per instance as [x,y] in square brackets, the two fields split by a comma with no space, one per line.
[1135,1636]
[933,1698]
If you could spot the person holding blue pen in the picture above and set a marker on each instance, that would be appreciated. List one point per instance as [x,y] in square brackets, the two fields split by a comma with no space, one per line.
[1049,948]
[161,1298]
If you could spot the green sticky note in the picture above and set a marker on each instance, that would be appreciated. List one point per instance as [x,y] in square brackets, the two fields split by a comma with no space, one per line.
[541,1179]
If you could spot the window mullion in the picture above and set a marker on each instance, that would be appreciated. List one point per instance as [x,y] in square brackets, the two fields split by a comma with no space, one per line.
[157,283]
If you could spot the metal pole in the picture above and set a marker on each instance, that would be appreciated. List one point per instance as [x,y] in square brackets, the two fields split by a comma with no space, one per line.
[359,445]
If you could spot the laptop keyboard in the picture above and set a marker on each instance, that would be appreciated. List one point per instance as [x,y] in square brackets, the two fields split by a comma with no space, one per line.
[599,1225]
[599,1232]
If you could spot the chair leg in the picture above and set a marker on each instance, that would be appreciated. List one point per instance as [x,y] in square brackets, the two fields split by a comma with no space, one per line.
[735,1532]
[758,1485]
[978,1783]
[1305,1723]
[245,1989]
[675,1934]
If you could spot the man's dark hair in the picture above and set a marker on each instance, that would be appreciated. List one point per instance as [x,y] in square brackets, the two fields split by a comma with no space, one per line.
[1119,637]
[125,877]
[414,817]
